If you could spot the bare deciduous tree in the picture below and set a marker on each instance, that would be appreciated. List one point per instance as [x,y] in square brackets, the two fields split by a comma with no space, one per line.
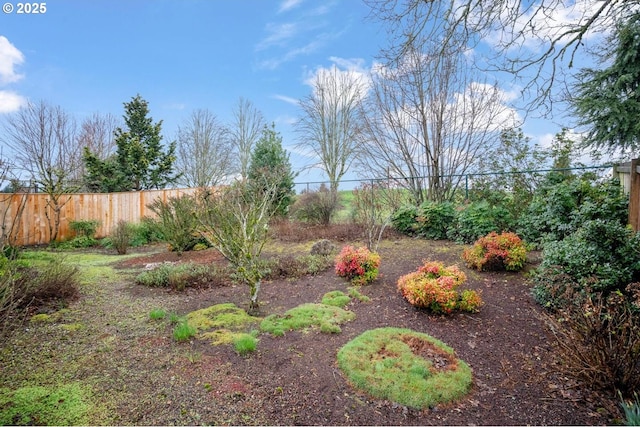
[330,121]
[42,139]
[536,41]
[235,221]
[97,134]
[426,122]
[205,151]
[245,130]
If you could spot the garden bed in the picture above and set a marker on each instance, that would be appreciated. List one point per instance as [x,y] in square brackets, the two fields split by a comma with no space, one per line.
[140,375]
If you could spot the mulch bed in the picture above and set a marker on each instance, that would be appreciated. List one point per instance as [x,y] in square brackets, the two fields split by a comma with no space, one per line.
[295,379]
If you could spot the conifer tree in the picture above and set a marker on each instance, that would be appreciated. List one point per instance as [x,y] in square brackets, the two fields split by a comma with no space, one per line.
[140,162]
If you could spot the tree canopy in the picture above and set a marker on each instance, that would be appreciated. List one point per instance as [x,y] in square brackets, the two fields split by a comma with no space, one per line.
[607,101]
[270,168]
[140,162]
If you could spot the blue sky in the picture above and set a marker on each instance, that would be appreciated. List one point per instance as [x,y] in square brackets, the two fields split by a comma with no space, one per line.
[92,55]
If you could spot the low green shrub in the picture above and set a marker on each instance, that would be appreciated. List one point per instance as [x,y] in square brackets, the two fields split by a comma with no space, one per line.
[360,265]
[495,251]
[404,220]
[564,203]
[430,220]
[86,228]
[434,286]
[183,275]
[601,256]
[479,219]
[177,222]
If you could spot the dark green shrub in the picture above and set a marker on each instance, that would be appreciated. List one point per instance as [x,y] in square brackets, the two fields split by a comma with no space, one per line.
[601,256]
[177,222]
[435,219]
[479,219]
[563,204]
[86,228]
[430,220]
[404,220]
[146,231]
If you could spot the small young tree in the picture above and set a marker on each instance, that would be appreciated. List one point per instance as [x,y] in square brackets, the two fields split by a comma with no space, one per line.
[373,207]
[270,166]
[235,221]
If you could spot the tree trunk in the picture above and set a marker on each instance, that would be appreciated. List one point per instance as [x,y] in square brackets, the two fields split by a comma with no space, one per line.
[254,305]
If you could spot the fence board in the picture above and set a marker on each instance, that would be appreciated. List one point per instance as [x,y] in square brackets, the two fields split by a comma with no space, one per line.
[108,209]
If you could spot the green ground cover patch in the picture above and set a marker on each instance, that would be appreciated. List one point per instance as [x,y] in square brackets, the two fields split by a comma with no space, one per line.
[221,323]
[326,317]
[336,299]
[404,366]
[34,405]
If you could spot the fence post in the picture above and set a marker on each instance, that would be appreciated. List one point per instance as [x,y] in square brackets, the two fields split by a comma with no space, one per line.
[634,195]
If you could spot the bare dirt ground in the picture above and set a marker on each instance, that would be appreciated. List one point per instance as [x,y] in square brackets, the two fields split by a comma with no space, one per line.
[149,379]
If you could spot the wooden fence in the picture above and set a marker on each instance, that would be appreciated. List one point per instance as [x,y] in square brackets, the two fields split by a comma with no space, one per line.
[629,175]
[108,209]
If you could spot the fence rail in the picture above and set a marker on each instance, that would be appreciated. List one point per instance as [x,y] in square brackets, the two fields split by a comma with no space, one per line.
[107,208]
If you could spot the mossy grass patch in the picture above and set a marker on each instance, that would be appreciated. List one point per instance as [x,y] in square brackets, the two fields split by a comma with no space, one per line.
[221,323]
[68,404]
[325,317]
[336,299]
[406,367]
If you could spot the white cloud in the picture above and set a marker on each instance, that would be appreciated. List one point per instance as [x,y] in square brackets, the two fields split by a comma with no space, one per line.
[278,34]
[288,5]
[10,101]
[292,53]
[10,57]
[286,99]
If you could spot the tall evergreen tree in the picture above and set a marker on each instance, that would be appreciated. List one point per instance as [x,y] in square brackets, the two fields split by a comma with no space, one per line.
[140,163]
[608,100]
[270,168]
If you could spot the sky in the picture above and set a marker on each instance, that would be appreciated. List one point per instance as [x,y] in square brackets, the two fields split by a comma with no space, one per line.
[91,56]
